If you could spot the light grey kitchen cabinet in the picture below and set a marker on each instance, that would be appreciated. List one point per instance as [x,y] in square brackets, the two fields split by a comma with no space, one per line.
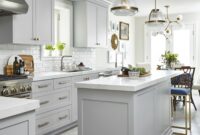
[55,109]
[23,124]
[58,103]
[34,27]
[44,21]
[90,23]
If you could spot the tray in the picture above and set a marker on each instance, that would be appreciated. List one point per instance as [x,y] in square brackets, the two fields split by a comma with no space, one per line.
[144,75]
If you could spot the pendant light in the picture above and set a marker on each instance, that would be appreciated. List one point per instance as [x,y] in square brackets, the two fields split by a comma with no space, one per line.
[170,23]
[156,18]
[124,9]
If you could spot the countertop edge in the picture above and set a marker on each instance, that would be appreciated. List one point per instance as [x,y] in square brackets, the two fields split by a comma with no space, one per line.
[86,85]
[69,74]
[19,108]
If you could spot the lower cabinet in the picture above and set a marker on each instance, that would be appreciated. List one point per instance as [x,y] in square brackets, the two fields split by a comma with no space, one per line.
[58,102]
[53,120]
[23,124]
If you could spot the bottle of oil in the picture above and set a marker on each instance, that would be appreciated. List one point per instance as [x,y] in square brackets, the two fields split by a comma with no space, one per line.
[16,67]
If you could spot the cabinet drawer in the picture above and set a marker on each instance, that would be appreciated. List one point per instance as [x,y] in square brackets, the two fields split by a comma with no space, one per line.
[42,86]
[64,116]
[62,83]
[63,96]
[50,121]
[45,102]
[43,124]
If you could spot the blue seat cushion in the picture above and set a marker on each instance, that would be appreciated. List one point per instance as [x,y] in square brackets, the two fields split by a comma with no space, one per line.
[180,91]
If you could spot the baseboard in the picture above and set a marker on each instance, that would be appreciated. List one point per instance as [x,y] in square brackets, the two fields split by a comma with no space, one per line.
[63,129]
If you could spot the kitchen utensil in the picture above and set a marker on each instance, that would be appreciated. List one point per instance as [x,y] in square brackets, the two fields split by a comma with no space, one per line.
[29,62]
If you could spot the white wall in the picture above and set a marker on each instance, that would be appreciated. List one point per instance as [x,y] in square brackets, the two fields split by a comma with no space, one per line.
[102,54]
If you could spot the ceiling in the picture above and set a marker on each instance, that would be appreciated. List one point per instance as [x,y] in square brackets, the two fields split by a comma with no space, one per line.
[176,6]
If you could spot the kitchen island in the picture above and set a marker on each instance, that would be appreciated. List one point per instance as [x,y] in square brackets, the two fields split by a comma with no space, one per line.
[17,116]
[123,106]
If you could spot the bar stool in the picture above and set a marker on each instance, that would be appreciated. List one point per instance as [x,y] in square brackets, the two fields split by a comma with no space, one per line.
[182,87]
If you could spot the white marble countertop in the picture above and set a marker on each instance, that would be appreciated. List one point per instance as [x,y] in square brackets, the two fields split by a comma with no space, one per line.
[126,83]
[54,75]
[14,106]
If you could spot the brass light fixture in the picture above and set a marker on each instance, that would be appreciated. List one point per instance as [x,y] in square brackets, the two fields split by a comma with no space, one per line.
[168,28]
[156,17]
[124,9]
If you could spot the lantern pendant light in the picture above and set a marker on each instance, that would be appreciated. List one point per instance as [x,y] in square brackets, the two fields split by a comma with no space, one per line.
[156,18]
[124,9]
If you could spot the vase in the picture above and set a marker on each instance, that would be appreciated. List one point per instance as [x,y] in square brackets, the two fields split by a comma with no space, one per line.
[60,52]
[50,53]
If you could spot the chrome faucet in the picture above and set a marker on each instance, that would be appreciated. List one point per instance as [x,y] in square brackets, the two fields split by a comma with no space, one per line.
[62,63]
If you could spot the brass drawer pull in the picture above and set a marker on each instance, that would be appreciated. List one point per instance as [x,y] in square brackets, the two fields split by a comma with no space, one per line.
[45,102]
[43,125]
[64,117]
[87,78]
[43,86]
[62,98]
[61,83]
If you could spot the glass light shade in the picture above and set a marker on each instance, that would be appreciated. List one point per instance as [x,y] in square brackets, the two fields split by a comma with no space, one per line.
[124,9]
[168,32]
[179,18]
[156,18]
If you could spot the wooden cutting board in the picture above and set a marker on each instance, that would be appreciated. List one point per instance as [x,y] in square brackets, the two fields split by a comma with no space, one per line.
[29,62]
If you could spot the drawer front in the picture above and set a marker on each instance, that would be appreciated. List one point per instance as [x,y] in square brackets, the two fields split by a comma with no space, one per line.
[42,86]
[63,96]
[45,102]
[62,83]
[84,78]
[50,121]
[43,124]
[63,117]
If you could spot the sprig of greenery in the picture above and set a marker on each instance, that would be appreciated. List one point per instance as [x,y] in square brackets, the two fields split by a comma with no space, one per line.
[169,57]
[49,47]
[60,46]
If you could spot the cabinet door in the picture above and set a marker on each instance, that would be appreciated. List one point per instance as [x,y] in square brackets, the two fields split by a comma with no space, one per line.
[23,26]
[102,22]
[144,113]
[91,25]
[44,21]
[17,129]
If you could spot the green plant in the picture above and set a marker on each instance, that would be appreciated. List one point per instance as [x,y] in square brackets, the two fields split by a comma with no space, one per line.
[49,47]
[169,57]
[60,46]
[141,69]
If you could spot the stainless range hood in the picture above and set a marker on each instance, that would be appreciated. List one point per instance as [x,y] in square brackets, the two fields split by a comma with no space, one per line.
[11,7]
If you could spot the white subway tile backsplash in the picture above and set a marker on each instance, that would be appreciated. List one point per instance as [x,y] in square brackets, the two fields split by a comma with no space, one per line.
[85,55]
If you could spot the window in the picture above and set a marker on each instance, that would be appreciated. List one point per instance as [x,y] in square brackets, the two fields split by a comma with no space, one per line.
[183,46]
[63,28]
[181,42]
[158,47]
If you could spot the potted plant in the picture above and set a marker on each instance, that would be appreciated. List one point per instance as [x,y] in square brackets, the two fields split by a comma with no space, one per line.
[170,59]
[60,47]
[50,49]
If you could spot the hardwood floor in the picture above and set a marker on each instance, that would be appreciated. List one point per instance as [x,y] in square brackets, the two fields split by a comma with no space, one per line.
[178,120]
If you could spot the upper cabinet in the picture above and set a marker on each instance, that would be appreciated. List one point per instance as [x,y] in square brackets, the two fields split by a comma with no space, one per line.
[34,27]
[90,23]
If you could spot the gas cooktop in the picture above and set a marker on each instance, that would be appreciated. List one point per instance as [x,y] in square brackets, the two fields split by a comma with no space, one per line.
[12,77]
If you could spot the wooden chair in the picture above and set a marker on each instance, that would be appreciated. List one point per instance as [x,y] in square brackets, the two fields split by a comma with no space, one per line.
[182,87]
